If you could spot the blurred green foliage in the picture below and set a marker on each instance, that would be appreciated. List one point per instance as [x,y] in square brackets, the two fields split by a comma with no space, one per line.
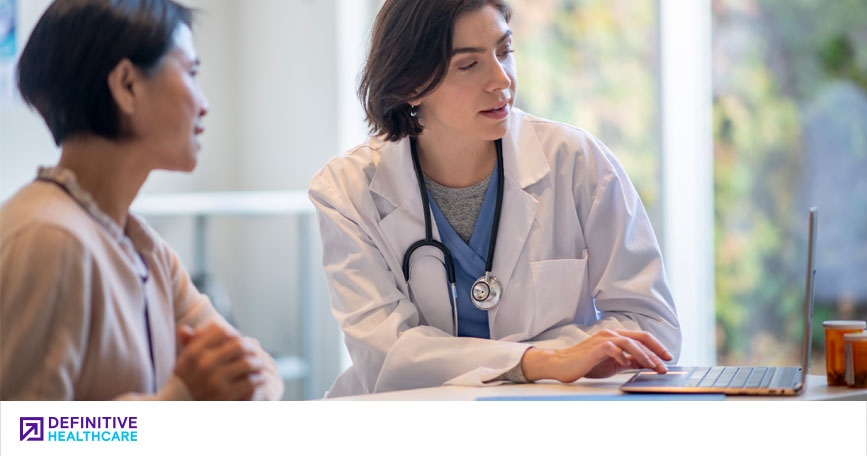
[594,64]
[774,60]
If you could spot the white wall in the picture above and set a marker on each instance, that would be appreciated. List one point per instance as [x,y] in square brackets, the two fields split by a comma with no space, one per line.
[24,139]
[287,129]
[278,65]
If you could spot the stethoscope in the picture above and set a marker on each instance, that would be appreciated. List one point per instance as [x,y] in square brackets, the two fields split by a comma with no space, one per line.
[487,290]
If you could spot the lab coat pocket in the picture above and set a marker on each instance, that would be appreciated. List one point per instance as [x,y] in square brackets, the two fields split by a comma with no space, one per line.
[557,285]
[429,289]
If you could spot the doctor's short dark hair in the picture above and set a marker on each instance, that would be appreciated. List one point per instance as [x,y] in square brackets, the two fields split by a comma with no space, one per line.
[64,67]
[410,51]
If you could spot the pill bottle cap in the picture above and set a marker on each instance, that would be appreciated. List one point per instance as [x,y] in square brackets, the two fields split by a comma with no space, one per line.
[844,324]
[855,336]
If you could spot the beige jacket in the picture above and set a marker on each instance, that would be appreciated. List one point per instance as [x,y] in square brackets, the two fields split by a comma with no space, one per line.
[72,301]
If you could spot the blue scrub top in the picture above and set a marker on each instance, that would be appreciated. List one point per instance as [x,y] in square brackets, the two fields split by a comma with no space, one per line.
[470,260]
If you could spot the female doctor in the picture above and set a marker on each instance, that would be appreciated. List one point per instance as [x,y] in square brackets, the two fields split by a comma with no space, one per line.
[470,243]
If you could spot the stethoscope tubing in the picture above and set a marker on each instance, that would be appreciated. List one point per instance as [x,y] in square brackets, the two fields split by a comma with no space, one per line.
[428,227]
[489,263]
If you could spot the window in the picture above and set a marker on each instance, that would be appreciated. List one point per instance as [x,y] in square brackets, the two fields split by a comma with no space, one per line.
[789,110]
[636,74]
[756,106]
[594,64]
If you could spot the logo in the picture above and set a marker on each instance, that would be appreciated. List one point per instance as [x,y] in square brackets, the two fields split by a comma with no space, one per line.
[31,428]
[79,429]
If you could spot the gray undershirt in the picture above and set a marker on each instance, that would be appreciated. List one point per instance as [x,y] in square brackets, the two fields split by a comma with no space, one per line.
[460,206]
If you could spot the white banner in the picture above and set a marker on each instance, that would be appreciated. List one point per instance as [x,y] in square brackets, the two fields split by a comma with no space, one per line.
[449,428]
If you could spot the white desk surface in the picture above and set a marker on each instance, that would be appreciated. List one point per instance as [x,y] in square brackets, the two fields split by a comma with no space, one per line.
[817,390]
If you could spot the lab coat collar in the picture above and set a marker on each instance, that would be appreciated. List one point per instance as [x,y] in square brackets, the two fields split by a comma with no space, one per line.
[523,158]
[394,178]
[525,165]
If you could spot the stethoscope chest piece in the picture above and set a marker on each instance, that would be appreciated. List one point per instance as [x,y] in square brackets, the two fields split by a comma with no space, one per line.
[486,292]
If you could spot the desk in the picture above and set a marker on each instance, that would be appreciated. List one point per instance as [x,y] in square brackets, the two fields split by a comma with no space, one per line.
[817,390]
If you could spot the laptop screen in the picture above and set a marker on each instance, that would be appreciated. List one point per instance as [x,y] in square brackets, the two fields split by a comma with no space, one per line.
[808,295]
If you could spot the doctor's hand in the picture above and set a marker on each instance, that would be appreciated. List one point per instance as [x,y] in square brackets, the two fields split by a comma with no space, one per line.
[216,363]
[603,354]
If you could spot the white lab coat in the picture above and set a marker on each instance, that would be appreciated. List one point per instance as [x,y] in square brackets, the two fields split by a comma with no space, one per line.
[572,230]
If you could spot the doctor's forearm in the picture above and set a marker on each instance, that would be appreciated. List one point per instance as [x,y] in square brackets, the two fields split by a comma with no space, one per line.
[536,364]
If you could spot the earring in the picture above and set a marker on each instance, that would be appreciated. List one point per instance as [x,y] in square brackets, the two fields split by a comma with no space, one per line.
[413,111]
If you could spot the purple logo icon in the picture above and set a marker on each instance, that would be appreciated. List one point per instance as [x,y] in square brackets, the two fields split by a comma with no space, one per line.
[31,428]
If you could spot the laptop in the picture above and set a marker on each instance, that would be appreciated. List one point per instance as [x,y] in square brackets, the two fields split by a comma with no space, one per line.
[739,380]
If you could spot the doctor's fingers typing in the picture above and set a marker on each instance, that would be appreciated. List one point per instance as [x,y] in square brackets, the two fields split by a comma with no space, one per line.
[602,351]
[639,349]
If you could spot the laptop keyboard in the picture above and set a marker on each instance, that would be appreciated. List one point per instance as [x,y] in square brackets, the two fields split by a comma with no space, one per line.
[730,377]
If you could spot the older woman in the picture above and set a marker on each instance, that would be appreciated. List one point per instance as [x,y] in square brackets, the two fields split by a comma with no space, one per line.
[93,303]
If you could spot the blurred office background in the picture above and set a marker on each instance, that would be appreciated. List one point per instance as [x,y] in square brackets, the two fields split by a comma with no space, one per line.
[732,117]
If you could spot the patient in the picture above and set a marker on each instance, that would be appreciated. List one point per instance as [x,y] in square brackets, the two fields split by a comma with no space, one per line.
[93,303]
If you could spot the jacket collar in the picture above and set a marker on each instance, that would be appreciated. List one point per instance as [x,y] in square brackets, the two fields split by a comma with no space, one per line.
[133,238]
